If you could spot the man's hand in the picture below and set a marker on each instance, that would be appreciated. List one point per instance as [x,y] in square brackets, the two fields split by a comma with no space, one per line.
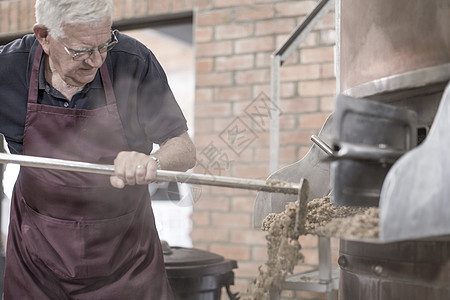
[175,154]
[132,168]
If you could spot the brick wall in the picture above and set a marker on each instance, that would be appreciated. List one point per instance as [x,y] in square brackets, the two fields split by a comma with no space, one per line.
[17,16]
[234,40]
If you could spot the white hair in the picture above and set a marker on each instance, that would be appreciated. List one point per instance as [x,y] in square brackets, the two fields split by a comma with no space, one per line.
[54,14]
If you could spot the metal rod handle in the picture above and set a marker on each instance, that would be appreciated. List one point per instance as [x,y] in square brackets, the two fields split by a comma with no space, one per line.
[322,145]
[273,186]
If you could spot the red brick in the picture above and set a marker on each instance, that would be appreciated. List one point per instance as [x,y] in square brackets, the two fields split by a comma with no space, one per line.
[222,191]
[129,9]
[213,17]
[288,155]
[327,70]
[275,26]
[308,241]
[183,5]
[263,59]
[291,60]
[327,104]
[141,7]
[203,95]
[213,109]
[212,204]
[235,62]
[327,37]
[294,8]
[335,243]
[239,110]
[204,34]
[314,55]
[201,219]
[240,285]
[249,237]
[295,137]
[303,151]
[327,22]
[233,93]
[247,269]
[252,76]
[334,257]
[214,79]
[255,12]
[287,89]
[245,156]
[204,4]
[299,105]
[32,17]
[157,7]
[204,65]
[231,251]
[300,72]
[263,138]
[259,253]
[262,155]
[288,122]
[4,14]
[263,88]
[202,140]
[233,31]
[317,88]
[252,45]
[230,3]
[311,256]
[214,48]
[313,120]
[222,123]
[231,220]
[209,235]
[311,40]
[203,125]
[26,19]
[118,9]
[14,16]
[242,204]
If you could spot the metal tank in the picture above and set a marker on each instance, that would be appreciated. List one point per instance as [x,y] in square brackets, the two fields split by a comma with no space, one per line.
[395,52]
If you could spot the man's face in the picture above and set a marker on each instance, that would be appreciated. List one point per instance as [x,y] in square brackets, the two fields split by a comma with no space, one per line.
[79,38]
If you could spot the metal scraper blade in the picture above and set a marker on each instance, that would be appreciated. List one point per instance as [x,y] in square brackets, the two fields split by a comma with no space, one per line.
[314,166]
[415,201]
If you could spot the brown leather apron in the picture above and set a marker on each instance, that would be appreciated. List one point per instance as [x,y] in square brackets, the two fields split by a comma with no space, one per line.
[72,235]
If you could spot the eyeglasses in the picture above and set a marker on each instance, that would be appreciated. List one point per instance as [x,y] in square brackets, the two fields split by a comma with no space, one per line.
[82,54]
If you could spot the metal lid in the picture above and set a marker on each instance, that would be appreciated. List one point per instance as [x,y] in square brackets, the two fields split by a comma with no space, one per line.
[190,257]
[191,261]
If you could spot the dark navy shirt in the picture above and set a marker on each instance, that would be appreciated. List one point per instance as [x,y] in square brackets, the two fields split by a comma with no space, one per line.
[146,105]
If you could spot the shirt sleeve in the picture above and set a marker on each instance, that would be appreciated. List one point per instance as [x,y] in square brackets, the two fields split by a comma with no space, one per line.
[158,111]
[14,59]
[148,109]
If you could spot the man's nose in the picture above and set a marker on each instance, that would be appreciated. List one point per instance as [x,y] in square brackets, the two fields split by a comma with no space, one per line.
[96,59]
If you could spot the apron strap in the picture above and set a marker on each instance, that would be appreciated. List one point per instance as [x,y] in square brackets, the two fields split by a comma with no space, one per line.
[34,80]
[107,85]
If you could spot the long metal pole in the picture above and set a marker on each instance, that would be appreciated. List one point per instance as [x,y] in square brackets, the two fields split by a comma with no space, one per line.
[274,186]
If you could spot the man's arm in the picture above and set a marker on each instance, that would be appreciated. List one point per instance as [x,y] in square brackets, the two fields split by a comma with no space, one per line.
[176,154]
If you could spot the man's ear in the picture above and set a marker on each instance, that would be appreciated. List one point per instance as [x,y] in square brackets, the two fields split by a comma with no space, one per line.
[41,33]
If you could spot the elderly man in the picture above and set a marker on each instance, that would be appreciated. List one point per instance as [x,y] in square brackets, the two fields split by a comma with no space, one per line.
[77,90]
